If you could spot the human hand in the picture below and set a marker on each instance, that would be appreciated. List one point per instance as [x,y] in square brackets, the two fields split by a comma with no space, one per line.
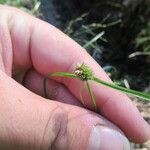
[31,49]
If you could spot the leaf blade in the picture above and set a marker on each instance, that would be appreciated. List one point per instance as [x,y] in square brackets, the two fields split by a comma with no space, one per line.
[125,90]
[80,93]
[63,74]
[58,74]
[94,39]
[92,96]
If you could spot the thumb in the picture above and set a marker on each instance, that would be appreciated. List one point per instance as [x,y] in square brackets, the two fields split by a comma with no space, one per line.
[29,121]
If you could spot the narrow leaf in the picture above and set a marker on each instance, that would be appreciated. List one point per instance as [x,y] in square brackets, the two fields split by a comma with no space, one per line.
[59,74]
[125,90]
[91,95]
[81,97]
[63,74]
[94,39]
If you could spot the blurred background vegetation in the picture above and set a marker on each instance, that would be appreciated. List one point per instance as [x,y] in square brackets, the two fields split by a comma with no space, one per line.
[31,6]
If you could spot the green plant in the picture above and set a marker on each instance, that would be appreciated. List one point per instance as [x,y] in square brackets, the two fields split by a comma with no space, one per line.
[30,6]
[85,74]
[2,1]
[143,42]
[143,39]
[89,34]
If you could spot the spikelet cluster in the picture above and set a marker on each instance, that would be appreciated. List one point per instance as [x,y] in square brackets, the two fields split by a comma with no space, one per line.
[83,72]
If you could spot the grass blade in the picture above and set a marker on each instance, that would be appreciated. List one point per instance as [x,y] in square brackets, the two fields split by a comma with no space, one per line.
[94,39]
[125,90]
[81,97]
[59,74]
[63,74]
[91,95]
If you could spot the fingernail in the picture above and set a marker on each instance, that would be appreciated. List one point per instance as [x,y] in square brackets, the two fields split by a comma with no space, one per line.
[104,138]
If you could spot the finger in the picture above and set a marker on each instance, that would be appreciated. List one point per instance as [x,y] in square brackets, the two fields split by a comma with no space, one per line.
[48,50]
[29,121]
[54,90]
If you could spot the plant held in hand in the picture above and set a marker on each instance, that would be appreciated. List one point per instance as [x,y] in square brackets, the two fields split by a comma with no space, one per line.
[85,74]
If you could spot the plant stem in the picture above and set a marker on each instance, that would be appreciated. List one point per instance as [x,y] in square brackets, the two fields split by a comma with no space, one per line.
[94,39]
[125,90]
[91,95]
[63,74]
[81,97]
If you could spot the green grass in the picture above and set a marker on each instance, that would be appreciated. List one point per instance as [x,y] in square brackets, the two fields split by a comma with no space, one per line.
[143,39]
[85,74]
[30,6]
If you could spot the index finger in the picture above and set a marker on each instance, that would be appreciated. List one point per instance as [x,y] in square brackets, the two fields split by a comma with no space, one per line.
[48,50]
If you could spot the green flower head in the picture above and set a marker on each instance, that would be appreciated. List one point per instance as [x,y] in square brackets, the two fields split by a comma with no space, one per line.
[83,72]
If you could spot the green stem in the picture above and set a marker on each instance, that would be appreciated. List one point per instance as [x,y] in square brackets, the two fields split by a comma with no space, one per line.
[63,74]
[81,97]
[57,74]
[125,90]
[92,96]
[94,39]
[141,95]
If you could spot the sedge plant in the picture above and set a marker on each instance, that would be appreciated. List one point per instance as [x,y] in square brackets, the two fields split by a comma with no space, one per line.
[85,74]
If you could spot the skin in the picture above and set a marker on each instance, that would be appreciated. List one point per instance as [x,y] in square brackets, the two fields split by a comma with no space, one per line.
[29,50]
